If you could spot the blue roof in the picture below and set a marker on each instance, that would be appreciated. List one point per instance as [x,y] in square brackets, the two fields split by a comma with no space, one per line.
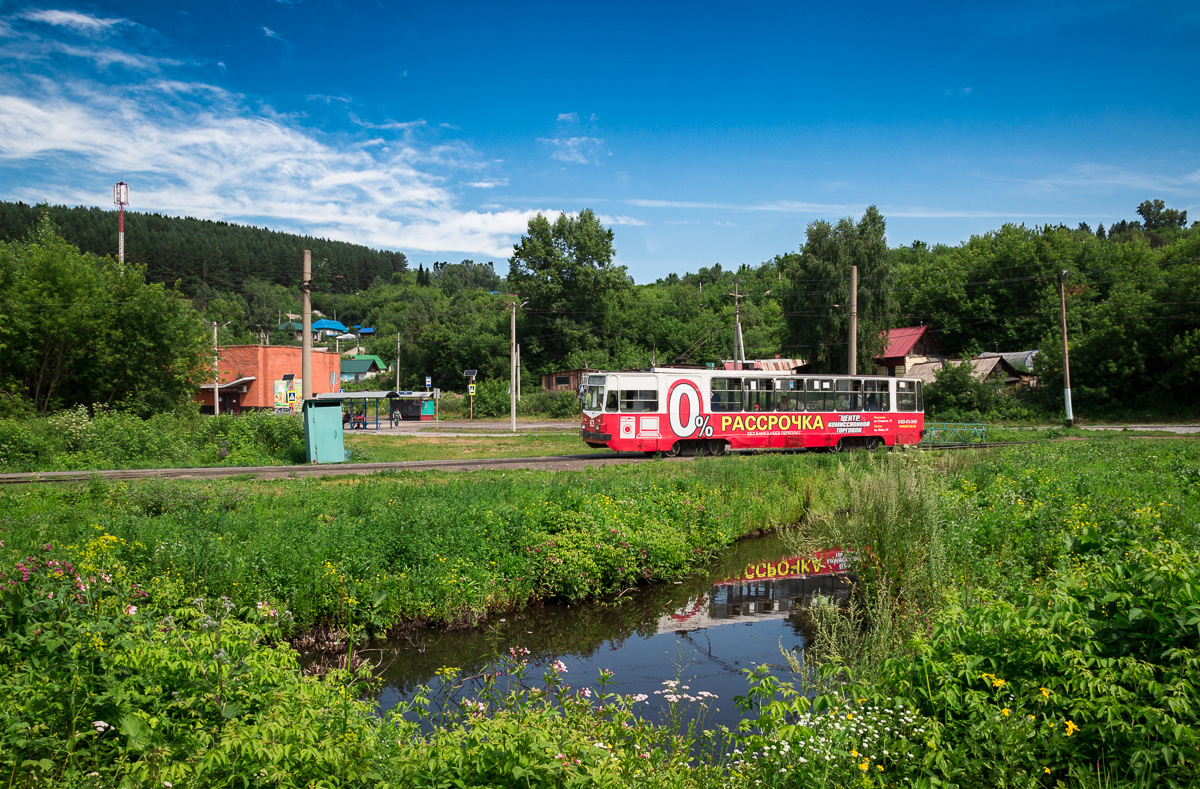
[366,331]
[325,323]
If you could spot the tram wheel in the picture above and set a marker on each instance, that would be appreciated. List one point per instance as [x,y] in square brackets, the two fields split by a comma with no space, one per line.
[675,451]
[840,446]
[717,447]
[873,444]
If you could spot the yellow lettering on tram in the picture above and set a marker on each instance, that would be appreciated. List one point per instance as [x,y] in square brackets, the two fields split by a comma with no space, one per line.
[725,420]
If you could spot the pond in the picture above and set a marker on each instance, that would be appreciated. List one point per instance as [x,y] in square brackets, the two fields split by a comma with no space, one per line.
[733,615]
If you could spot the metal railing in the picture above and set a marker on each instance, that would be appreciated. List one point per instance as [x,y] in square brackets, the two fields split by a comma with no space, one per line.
[939,434]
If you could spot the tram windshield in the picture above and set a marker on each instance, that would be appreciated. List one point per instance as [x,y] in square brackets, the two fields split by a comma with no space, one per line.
[593,398]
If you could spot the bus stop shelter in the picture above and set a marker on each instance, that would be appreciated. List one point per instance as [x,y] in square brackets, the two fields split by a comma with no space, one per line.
[361,406]
[365,407]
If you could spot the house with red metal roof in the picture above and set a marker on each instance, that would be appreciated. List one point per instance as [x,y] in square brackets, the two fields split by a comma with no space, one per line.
[907,347]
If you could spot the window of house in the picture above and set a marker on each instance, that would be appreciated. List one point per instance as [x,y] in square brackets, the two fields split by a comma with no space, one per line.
[562,380]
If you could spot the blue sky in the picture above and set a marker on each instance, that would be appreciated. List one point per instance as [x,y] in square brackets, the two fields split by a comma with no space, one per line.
[700,132]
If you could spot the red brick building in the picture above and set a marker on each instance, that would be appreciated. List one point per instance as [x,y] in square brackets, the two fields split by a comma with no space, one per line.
[253,377]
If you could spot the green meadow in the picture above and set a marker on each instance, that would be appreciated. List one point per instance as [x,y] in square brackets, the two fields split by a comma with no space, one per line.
[1025,616]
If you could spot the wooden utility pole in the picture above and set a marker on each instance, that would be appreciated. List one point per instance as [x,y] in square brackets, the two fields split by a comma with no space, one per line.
[853,321]
[1062,303]
[306,343]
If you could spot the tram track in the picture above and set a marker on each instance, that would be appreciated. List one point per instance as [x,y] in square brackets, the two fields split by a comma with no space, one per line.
[543,462]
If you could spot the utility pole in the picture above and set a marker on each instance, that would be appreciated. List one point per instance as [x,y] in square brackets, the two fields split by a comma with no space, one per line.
[739,345]
[512,360]
[306,343]
[397,361]
[512,372]
[217,370]
[739,350]
[1062,302]
[853,321]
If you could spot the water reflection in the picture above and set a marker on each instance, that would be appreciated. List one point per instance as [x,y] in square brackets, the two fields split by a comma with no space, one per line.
[704,631]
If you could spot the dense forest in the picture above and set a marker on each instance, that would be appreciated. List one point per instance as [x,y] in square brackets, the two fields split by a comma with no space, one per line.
[1132,292]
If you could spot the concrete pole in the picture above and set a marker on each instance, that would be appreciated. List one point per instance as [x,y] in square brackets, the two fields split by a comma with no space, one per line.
[397,361]
[216,375]
[739,350]
[512,375]
[518,372]
[1062,302]
[306,344]
[853,321]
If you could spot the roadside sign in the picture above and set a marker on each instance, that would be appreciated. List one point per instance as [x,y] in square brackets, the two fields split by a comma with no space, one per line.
[470,373]
[471,389]
[428,380]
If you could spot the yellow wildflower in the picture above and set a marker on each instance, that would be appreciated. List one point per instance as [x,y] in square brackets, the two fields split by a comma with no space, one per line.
[1046,692]
[1071,728]
[1004,712]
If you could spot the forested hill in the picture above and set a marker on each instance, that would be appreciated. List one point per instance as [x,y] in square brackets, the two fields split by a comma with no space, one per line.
[204,255]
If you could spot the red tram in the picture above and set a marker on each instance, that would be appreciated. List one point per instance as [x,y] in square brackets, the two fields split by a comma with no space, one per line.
[684,411]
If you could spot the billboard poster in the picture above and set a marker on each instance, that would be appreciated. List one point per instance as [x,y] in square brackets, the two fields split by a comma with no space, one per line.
[288,394]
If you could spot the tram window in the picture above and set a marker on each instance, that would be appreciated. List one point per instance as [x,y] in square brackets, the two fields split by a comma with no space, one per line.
[594,397]
[758,394]
[791,394]
[906,395]
[726,394]
[920,396]
[876,396]
[819,394]
[611,404]
[849,394]
[639,401]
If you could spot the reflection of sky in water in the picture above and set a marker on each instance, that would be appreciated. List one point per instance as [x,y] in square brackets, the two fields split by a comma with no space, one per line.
[701,634]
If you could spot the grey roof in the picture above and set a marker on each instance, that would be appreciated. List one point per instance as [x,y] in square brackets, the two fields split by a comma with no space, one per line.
[1020,360]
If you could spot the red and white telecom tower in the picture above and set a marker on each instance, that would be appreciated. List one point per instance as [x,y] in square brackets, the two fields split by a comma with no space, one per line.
[121,198]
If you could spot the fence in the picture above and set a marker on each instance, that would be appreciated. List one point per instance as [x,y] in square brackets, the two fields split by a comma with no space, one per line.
[947,434]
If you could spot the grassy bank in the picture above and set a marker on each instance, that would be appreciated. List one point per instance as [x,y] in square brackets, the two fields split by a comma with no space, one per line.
[1028,617]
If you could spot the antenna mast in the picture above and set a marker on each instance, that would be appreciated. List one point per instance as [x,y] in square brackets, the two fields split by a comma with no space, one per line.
[121,198]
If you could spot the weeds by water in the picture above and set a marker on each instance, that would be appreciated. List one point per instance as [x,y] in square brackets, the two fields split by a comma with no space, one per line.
[1027,618]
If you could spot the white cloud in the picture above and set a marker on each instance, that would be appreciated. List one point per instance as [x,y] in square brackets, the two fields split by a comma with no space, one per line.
[73,20]
[576,150]
[272,34]
[780,206]
[607,219]
[328,99]
[568,117]
[488,184]
[196,150]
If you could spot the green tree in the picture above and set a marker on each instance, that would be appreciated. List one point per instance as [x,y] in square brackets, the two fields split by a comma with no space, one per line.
[1156,216]
[566,272]
[82,330]
[816,298]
